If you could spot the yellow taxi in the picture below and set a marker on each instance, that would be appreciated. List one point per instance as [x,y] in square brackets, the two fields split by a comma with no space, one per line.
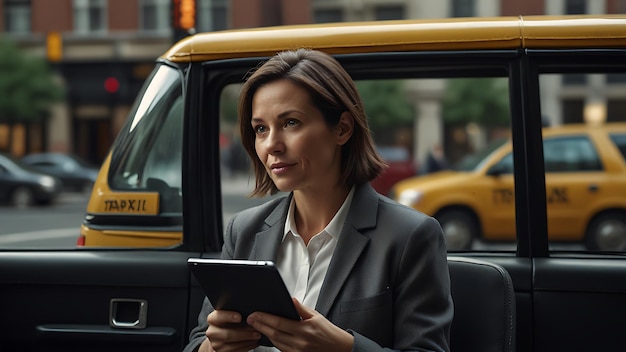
[585,186]
[167,155]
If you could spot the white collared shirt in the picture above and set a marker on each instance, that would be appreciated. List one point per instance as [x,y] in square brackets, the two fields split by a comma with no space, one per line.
[302,267]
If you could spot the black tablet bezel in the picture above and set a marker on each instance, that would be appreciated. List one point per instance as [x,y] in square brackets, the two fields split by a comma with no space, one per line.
[244,286]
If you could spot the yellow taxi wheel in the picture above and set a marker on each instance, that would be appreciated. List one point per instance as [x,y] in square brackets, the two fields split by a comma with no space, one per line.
[607,232]
[459,228]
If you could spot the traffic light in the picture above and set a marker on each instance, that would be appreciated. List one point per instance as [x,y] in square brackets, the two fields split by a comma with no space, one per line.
[184,14]
[111,85]
[54,46]
[183,18]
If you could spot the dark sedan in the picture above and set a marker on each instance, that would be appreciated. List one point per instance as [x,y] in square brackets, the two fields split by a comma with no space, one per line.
[75,173]
[22,186]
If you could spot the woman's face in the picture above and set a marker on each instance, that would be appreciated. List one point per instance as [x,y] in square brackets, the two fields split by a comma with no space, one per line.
[299,150]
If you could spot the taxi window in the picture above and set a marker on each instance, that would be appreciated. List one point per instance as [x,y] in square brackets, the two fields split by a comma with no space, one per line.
[476,160]
[149,153]
[584,135]
[504,166]
[465,119]
[620,142]
[570,154]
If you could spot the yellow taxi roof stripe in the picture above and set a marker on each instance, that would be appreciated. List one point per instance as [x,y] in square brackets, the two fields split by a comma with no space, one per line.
[402,35]
[582,31]
[344,37]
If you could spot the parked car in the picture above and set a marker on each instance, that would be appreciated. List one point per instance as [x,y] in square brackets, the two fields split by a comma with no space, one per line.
[75,173]
[22,186]
[585,186]
[400,166]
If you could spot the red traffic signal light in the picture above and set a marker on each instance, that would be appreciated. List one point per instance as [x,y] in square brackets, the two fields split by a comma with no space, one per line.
[111,85]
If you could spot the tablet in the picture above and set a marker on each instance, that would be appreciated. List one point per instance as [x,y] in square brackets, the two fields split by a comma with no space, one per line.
[244,286]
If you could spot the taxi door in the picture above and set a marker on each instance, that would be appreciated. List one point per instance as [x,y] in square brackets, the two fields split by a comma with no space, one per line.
[573,178]
[499,215]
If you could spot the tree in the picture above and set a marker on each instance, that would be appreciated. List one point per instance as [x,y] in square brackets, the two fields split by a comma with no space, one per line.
[228,104]
[388,108]
[484,101]
[27,87]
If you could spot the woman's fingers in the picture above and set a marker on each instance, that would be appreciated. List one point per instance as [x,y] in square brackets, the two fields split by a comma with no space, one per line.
[223,317]
[227,333]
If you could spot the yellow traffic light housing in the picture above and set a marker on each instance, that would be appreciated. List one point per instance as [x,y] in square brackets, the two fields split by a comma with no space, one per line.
[54,46]
[184,14]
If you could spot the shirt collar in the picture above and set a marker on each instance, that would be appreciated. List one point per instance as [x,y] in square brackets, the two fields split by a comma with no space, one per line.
[335,225]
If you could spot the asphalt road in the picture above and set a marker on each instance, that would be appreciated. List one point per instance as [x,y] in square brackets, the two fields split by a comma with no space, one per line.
[54,226]
[57,226]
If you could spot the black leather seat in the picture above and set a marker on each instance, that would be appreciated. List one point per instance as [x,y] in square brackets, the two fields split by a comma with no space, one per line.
[484,306]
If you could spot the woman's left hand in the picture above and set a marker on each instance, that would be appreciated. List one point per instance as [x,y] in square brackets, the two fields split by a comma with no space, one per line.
[313,333]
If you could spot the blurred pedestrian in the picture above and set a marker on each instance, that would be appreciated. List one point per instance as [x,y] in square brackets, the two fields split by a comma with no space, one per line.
[436,159]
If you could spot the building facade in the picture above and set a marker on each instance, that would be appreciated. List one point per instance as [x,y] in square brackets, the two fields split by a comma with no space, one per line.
[102,51]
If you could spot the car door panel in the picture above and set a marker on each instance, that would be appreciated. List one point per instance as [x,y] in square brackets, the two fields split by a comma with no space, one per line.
[567,304]
[579,304]
[62,300]
[570,198]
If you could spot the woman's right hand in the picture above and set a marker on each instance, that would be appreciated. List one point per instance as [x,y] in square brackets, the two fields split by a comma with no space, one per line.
[227,333]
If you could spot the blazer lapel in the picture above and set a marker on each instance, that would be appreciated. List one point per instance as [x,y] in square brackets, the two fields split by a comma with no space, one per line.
[351,244]
[267,242]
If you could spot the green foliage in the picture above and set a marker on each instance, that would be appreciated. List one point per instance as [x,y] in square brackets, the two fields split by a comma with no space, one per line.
[228,103]
[387,106]
[484,101]
[385,102]
[27,87]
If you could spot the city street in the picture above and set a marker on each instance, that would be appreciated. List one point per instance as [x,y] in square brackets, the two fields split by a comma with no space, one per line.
[57,226]
[54,226]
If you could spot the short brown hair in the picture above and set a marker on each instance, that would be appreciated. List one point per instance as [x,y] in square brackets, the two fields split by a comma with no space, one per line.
[333,92]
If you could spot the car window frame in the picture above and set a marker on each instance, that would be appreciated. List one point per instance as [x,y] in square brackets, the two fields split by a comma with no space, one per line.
[214,75]
[557,61]
[523,70]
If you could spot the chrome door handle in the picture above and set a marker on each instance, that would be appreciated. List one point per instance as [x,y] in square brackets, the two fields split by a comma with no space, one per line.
[128,313]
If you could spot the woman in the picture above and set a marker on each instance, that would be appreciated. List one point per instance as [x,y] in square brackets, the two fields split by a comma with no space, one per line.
[365,272]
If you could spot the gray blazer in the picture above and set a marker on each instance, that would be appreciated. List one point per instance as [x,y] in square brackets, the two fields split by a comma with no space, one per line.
[387,283]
